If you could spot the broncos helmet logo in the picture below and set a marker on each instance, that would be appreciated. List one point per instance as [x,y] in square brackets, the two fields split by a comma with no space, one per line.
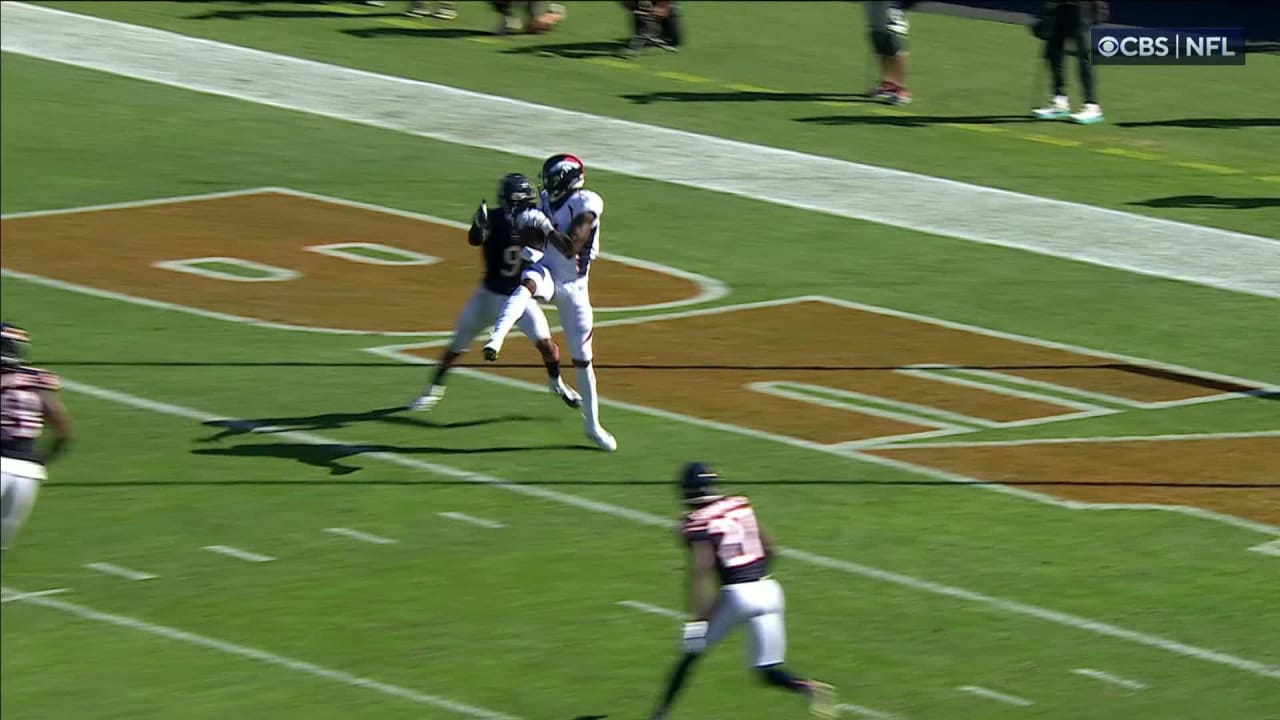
[561,175]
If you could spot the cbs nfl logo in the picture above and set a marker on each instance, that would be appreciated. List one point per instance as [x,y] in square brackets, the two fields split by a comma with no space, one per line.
[1168,46]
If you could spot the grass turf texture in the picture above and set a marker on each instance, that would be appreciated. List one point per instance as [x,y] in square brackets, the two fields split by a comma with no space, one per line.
[473,614]
[965,74]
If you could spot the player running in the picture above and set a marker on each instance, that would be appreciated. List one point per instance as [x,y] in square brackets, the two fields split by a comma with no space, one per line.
[27,401]
[495,230]
[728,548]
[568,221]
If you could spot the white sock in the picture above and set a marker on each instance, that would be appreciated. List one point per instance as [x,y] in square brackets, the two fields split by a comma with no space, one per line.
[512,309]
[587,388]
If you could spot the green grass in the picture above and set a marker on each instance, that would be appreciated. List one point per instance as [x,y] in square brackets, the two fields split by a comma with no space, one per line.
[964,73]
[523,619]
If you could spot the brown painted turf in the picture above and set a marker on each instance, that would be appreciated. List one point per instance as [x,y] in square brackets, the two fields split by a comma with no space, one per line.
[1128,472]
[114,249]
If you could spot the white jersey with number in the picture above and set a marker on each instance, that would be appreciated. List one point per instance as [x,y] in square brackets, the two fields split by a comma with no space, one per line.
[566,270]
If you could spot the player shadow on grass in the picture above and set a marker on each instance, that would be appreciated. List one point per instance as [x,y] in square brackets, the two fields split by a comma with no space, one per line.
[338,420]
[915,120]
[329,455]
[745,96]
[1208,123]
[1210,202]
[574,50]
[422,32]
[286,14]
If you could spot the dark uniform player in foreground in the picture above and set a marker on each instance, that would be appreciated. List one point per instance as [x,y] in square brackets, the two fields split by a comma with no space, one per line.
[728,548]
[505,257]
[27,402]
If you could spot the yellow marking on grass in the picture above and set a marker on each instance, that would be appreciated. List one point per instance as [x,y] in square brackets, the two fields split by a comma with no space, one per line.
[891,111]
[486,39]
[751,88]
[979,128]
[346,9]
[682,77]
[405,23]
[615,63]
[1051,140]
[838,103]
[1127,153]
[1210,167]
[1269,178]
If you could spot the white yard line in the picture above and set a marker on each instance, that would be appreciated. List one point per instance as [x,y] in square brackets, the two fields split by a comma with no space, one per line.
[263,656]
[866,712]
[471,519]
[238,554]
[118,571]
[361,536]
[1009,607]
[996,695]
[1268,548]
[1173,437]
[1111,238]
[8,596]
[1107,677]
[645,607]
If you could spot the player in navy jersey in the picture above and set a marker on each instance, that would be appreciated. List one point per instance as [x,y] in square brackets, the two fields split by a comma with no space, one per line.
[505,258]
[729,550]
[28,400]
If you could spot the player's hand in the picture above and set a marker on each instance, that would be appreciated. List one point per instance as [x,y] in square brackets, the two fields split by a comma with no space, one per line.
[695,637]
[534,219]
[482,216]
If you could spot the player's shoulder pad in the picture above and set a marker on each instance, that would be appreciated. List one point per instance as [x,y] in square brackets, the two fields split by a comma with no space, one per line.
[589,201]
[44,380]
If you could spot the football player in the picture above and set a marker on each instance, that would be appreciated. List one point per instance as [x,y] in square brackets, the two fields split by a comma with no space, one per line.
[729,585]
[567,221]
[505,256]
[28,400]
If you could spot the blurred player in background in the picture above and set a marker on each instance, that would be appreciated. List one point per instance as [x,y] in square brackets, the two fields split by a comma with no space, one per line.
[567,222]
[729,585]
[437,10]
[504,261]
[539,17]
[28,400]
[1062,20]
[655,22]
[887,23]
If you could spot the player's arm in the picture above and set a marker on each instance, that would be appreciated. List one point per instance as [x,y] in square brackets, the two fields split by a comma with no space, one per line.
[59,421]
[702,567]
[580,231]
[479,226]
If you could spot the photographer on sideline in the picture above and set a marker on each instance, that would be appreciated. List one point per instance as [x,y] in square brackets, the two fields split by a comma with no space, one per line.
[656,23]
[1062,20]
[887,23]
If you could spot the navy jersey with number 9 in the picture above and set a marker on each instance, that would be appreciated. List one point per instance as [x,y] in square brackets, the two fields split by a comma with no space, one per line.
[502,261]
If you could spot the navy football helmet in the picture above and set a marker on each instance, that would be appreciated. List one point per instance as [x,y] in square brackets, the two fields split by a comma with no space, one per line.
[13,345]
[699,483]
[516,193]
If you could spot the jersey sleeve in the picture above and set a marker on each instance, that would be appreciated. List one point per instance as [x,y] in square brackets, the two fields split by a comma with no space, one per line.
[694,530]
[46,380]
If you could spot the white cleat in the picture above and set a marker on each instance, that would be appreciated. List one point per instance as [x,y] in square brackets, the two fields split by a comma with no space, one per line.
[603,439]
[565,393]
[428,399]
[491,350]
[1057,109]
[1090,114]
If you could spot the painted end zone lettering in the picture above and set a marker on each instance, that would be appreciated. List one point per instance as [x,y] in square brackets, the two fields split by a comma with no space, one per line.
[341,280]
[726,365]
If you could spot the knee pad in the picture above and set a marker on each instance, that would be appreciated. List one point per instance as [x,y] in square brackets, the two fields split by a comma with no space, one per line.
[887,44]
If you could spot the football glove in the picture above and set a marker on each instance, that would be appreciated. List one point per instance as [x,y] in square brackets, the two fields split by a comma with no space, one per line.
[695,637]
[534,219]
[482,217]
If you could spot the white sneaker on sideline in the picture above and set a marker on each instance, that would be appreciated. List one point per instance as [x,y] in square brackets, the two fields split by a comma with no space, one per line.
[1089,114]
[1058,108]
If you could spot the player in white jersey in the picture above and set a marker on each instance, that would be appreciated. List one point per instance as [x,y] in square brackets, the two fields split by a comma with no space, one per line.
[568,218]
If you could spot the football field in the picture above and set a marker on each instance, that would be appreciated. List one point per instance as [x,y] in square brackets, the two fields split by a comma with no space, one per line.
[1006,393]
